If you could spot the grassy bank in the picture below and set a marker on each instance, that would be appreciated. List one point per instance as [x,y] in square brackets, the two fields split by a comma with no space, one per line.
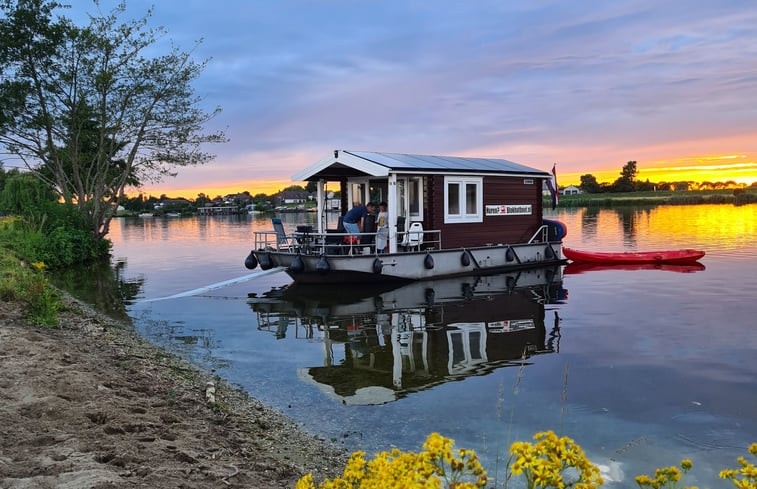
[26,283]
[730,197]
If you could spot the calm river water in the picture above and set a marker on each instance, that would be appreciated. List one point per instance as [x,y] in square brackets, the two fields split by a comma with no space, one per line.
[645,367]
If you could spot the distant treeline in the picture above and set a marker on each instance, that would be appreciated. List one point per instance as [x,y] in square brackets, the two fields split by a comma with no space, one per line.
[737,196]
[627,182]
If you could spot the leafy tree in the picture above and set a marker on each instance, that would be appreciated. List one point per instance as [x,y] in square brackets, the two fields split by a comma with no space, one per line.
[24,195]
[625,183]
[312,187]
[589,184]
[645,186]
[201,200]
[294,188]
[629,171]
[91,110]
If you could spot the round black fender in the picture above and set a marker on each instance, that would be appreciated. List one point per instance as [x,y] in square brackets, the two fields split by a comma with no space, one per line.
[297,265]
[510,282]
[467,290]
[251,262]
[377,265]
[549,253]
[509,254]
[428,262]
[266,261]
[323,265]
[465,259]
[550,275]
[430,296]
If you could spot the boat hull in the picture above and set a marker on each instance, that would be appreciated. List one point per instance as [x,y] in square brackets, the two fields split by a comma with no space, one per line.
[684,256]
[410,266]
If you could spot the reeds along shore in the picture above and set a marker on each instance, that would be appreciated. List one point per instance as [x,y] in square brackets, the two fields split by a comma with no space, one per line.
[630,199]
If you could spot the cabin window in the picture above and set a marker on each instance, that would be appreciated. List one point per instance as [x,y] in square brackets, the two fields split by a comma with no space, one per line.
[357,193]
[463,199]
[410,197]
[415,198]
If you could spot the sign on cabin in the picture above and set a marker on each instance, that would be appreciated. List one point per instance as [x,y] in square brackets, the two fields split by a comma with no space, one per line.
[508,210]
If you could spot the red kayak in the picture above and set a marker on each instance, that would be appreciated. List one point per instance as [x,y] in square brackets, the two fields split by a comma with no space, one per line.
[575,268]
[668,256]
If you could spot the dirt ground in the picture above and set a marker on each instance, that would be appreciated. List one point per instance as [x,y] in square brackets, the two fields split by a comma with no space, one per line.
[92,405]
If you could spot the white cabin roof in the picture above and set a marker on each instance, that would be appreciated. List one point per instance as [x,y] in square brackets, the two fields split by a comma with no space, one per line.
[343,163]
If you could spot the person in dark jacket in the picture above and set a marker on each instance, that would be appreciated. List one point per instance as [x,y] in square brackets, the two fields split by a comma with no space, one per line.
[353,220]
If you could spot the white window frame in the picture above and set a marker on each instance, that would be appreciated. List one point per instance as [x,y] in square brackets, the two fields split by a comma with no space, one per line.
[463,182]
[404,184]
[415,216]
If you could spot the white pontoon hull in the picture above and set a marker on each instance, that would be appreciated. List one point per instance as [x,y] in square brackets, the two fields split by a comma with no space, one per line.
[408,266]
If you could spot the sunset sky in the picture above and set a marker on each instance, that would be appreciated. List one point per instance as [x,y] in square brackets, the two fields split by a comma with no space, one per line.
[588,85]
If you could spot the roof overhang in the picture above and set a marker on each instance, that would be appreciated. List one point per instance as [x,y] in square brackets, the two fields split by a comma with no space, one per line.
[340,165]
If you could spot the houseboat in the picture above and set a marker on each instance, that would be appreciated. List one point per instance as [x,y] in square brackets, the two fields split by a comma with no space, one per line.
[446,216]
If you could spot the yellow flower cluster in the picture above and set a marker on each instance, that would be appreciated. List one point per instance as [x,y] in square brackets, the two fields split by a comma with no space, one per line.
[746,476]
[553,462]
[7,221]
[548,462]
[436,467]
[38,265]
[664,477]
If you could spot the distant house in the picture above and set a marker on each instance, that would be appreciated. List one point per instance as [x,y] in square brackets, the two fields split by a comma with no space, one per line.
[180,202]
[294,197]
[243,198]
[571,190]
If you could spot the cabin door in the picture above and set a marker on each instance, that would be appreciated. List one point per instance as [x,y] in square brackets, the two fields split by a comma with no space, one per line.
[410,198]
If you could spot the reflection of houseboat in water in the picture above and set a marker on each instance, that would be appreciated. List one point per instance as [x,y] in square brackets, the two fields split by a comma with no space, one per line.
[416,336]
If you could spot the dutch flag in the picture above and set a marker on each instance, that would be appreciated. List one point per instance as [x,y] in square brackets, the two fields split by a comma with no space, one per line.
[552,184]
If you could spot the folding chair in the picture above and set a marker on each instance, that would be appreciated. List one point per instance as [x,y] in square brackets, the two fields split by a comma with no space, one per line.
[283,242]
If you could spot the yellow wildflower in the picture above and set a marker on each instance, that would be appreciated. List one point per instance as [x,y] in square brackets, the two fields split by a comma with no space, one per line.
[305,482]
[727,474]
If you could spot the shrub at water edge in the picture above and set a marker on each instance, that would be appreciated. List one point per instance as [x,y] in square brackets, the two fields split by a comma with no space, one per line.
[28,285]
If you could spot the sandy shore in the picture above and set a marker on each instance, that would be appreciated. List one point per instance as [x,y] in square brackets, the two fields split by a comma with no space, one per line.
[92,405]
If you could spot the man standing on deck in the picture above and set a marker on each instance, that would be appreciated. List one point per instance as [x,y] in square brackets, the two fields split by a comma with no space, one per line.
[353,220]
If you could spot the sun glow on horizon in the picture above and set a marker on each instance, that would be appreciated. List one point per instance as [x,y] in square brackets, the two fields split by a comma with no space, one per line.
[697,169]
[694,169]
[254,187]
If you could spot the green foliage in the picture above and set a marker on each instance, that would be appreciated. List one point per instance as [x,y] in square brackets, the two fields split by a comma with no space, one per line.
[45,230]
[29,286]
[665,197]
[589,184]
[744,198]
[62,246]
[94,109]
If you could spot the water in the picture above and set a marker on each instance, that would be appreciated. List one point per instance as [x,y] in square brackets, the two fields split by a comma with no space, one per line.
[647,367]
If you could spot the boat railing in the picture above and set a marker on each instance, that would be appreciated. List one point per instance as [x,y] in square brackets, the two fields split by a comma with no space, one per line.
[541,234]
[333,243]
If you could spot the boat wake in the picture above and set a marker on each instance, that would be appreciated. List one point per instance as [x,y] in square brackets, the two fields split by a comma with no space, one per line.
[215,286]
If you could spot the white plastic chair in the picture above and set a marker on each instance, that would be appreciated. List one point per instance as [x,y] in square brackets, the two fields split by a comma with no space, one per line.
[414,236]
